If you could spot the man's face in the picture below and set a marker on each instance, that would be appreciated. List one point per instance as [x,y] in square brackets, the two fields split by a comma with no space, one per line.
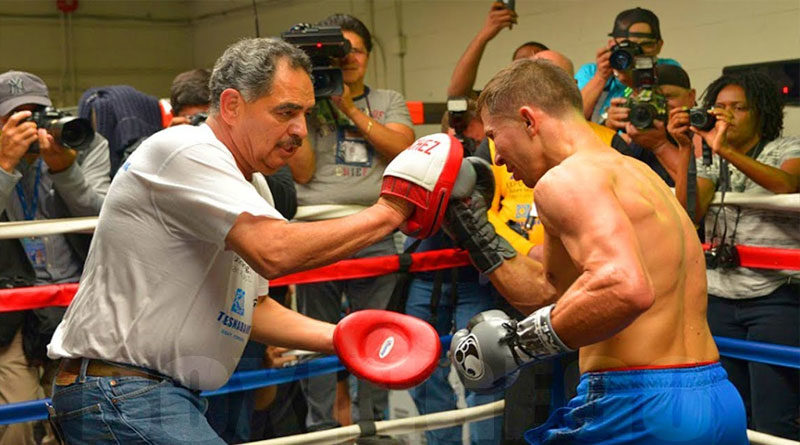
[271,128]
[514,148]
[677,97]
[745,124]
[650,45]
[354,64]
[25,107]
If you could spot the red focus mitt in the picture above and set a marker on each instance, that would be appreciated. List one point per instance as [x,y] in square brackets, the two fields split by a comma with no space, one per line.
[389,349]
[424,175]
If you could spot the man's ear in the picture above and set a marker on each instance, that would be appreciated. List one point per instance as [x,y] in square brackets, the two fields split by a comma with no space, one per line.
[527,115]
[660,44]
[693,96]
[231,105]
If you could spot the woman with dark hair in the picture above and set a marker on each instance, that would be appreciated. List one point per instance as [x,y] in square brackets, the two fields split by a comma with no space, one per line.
[751,304]
[339,170]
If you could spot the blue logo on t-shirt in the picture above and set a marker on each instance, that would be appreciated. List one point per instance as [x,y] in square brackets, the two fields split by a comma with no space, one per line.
[238,302]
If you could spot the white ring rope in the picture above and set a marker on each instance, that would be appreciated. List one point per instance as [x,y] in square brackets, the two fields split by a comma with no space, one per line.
[757,438]
[20,229]
[408,425]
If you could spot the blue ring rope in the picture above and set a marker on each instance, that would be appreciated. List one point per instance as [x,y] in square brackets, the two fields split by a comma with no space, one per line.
[788,356]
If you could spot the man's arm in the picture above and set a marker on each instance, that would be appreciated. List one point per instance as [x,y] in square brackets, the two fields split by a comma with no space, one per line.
[592,86]
[613,287]
[275,247]
[463,79]
[276,325]
[84,184]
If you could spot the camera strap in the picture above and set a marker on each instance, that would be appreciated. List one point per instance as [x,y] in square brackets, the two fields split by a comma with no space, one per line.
[30,212]
[691,187]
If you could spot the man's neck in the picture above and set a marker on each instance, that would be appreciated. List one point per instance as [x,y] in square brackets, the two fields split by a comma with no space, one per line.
[222,132]
[356,88]
[569,136]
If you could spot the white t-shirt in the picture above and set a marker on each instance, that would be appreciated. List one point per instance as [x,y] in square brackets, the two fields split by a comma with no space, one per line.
[159,290]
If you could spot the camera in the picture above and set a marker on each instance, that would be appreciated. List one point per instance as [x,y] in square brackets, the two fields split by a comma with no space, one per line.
[69,131]
[323,44]
[645,104]
[197,118]
[457,119]
[623,55]
[508,4]
[722,256]
[700,117]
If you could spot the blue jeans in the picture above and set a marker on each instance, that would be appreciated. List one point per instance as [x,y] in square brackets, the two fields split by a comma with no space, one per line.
[130,410]
[436,394]
[771,393]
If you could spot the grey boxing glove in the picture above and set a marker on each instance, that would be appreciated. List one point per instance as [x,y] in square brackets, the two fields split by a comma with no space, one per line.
[468,224]
[493,347]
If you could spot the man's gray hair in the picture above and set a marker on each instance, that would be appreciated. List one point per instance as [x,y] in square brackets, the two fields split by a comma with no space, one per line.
[531,82]
[248,66]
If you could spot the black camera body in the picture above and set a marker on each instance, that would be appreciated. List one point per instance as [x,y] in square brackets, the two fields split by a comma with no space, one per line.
[70,131]
[623,55]
[323,44]
[722,256]
[645,104]
[197,118]
[700,117]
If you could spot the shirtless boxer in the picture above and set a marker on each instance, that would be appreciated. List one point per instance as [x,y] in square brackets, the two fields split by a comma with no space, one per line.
[622,279]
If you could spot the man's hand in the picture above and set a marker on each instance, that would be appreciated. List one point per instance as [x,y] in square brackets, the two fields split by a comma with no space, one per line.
[15,139]
[603,60]
[344,102]
[56,156]
[486,353]
[499,17]
[617,113]
[652,138]
[678,127]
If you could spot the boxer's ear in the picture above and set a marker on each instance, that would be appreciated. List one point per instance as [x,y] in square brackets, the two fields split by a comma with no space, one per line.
[528,119]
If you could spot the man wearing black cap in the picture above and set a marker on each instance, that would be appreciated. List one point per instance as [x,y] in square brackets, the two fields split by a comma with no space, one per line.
[598,82]
[42,184]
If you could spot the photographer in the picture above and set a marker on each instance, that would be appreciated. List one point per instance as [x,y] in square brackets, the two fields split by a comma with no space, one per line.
[651,145]
[744,303]
[351,138]
[500,16]
[39,179]
[599,82]
[190,97]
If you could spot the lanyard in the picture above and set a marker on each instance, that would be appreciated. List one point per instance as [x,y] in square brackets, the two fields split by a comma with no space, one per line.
[30,212]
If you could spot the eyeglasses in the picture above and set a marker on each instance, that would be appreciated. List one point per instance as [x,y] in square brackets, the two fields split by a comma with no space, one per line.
[646,44]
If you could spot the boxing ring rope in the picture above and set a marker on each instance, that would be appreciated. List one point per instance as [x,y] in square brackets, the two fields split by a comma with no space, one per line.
[61,295]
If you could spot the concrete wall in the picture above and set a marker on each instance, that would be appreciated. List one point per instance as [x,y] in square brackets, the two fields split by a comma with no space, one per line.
[417,42]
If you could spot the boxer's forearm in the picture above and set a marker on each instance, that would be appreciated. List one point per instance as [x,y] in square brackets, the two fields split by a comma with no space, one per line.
[522,282]
[276,325]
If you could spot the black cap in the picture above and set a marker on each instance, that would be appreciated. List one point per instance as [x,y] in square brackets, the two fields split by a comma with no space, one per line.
[628,17]
[672,75]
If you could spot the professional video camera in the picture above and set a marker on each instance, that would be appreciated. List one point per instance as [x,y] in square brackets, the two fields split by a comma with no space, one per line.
[69,131]
[197,118]
[645,104]
[322,44]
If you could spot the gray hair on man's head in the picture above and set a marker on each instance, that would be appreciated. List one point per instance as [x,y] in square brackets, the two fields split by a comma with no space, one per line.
[249,66]
[531,82]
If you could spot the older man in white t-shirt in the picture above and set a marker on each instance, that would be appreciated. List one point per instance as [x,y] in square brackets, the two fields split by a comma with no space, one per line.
[168,297]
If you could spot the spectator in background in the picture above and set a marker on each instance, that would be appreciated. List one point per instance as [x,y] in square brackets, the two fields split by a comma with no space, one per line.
[340,165]
[447,299]
[651,144]
[462,80]
[750,304]
[189,95]
[598,82]
[39,179]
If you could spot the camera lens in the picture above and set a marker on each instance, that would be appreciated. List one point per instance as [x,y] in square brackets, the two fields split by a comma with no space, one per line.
[642,115]
[621,59]
[73,132]
[702,119]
